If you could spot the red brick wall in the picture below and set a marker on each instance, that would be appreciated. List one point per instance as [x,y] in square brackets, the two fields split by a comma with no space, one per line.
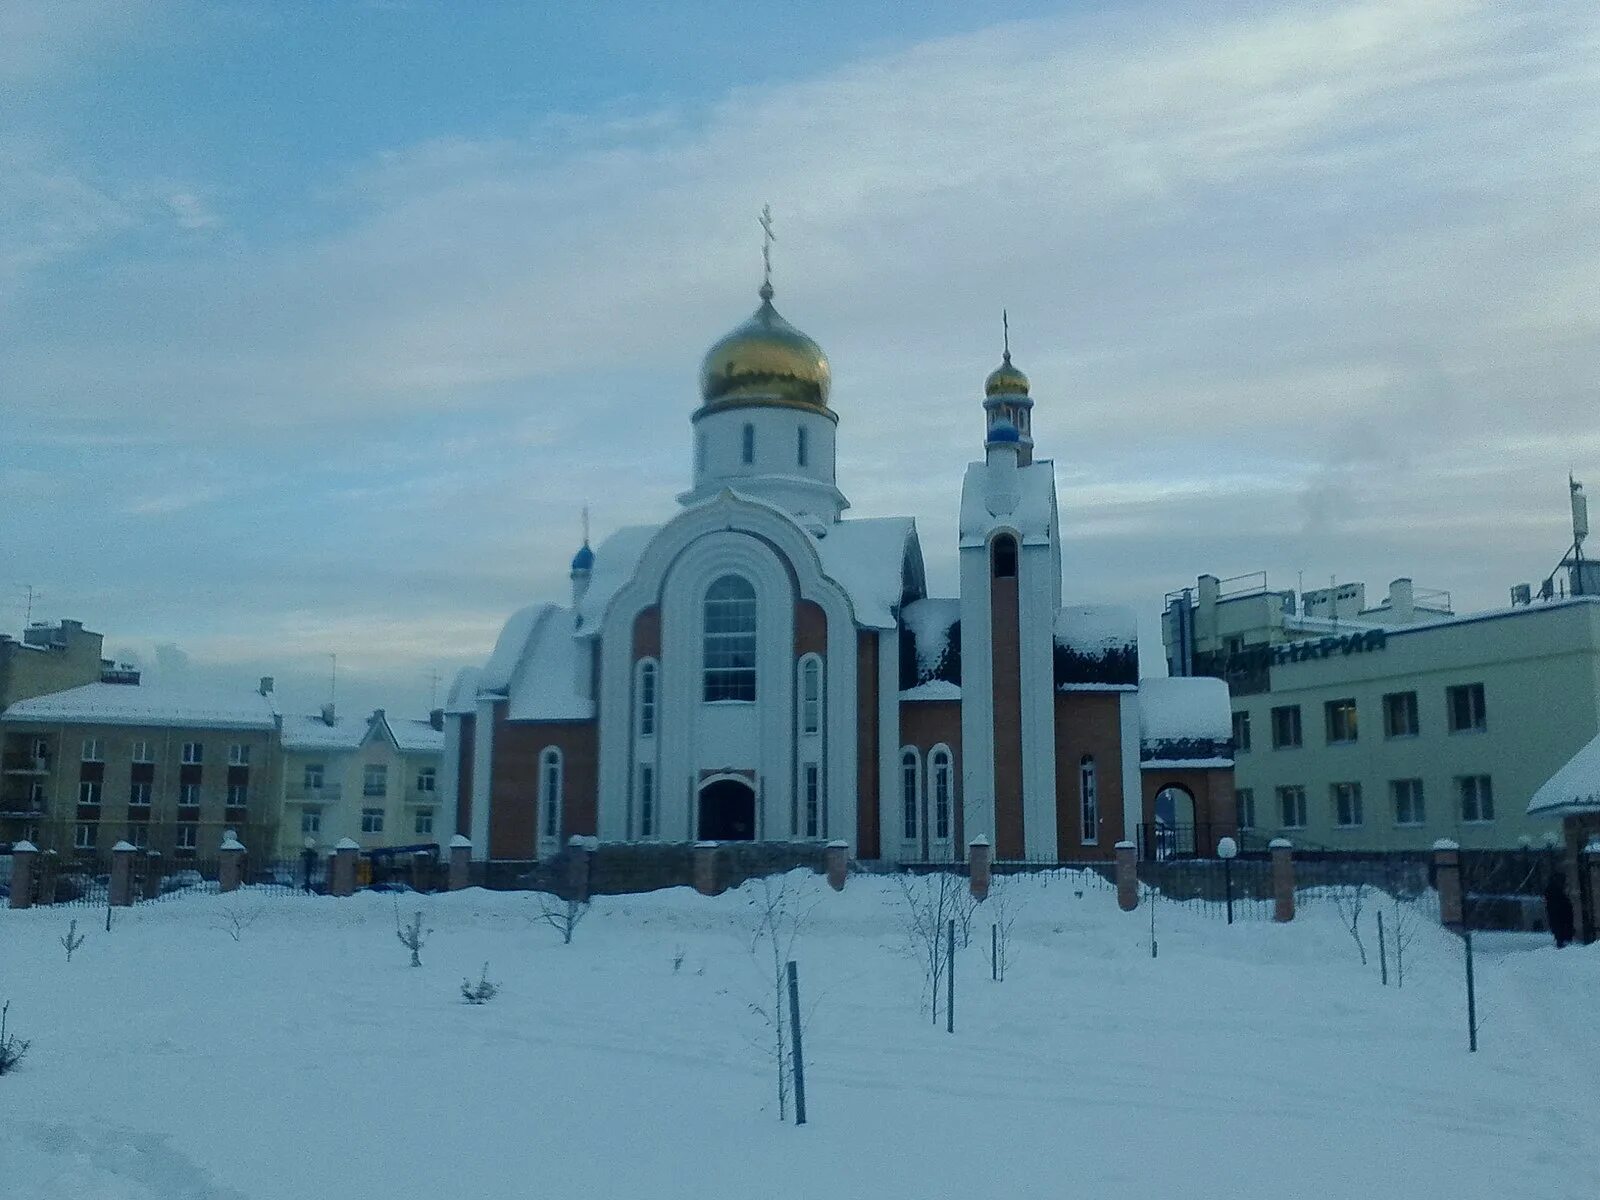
[513,811]
[1005,639]
[924,724]
[867,745]
[469,728]
[1213,799]
[647,634]
[1088,723]
[810,629]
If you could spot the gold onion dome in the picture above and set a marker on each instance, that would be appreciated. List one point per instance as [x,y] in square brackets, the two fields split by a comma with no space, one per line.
[766,361]
[1006,380]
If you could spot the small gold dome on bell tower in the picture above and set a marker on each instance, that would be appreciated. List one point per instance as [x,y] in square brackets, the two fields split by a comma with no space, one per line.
[1006,380]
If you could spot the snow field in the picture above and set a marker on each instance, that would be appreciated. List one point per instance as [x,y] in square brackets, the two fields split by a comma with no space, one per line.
[1248,1061]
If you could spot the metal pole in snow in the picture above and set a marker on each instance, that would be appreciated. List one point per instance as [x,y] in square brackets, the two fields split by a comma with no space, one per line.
[950,982]
[794,1040]
[1383,958]
[994,953]
[1472,997]
[1227,883]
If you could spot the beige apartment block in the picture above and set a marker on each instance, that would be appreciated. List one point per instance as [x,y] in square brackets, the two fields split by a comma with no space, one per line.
[374,779]
[170,769]
[53,658]
[1388,727]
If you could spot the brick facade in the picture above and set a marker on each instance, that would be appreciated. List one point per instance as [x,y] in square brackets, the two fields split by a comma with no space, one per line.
[513,811]
[1088,723]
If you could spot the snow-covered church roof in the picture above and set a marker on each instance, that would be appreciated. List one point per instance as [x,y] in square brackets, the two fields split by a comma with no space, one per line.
[930,649]
[1574,788]
[998,496]
[1185,721]
[867,558]
[1096,646]
[535,667]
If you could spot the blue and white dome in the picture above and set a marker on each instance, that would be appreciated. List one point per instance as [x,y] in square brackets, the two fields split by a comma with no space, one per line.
[1004,431]
[583,560]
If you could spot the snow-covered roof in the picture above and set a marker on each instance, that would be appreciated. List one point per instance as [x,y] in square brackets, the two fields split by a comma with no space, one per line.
[1574,788]
[998,496]
[416,735]
[149,704]
[931,643]
[867,558]
[1096,644]
[463,696]
[615,561]
[510,648]
[933,689]
[544,686]
[410,735]
[1185,719]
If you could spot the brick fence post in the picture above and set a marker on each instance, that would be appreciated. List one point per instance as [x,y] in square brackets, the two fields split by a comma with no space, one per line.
[23,857]
[230,863]
[1591,855]
[980,866]
[460,862]
[344,867]
[836,864]
[422,870]
[705,868]
[1282,879]
[150,875]
[122,874]
[49,866]
[1447,879]
[580,857]
[1127,876]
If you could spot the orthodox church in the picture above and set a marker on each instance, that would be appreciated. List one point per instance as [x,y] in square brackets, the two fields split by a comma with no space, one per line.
[762,667]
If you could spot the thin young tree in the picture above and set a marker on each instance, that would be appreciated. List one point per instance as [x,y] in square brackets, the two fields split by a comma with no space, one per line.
[929,903]
[778,916]
[561,915]
[238,917]
[12,1048]
[1350,899]
[1003,906]
[71,939]
[1402,932]
[413,937]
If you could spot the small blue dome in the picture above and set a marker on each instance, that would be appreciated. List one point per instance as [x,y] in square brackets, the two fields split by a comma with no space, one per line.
[583,560]
[1004,431]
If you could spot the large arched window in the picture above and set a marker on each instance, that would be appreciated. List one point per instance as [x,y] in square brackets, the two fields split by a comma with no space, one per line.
[810,694]
[910,792]
[1089,800]
[646,698]
[730,640]
[550,787]
[940,785]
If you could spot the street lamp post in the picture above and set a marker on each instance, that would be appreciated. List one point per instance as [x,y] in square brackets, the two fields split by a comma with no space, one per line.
[1227,849]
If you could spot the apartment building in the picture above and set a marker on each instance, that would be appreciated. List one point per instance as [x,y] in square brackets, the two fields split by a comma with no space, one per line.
[374,779]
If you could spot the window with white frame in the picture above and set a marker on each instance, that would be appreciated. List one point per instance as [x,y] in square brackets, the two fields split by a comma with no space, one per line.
[1241,731]
[83,836]
[1477,798]
[193,754]
[94,750]
[142,753]
[813,800]
[89,791]
[941,782]
[372,820]
[427,779]
[1408,804]
[313,777]
[310,820]
[647,697]
[1285,726]
[36,796]
[375,779]
[239,754]
[1346,804]
[1341,721]
[550,784]
[238,795]
[188,836]
[1244,806]
[910,792]
[647,800]
[747,445]
[1088,800]
[41,749]
[1400,714]
[139,795]
[810,694]
[424,822]
[730,640]
[1292,807]
[189,795]
[1466,708]
[139,836]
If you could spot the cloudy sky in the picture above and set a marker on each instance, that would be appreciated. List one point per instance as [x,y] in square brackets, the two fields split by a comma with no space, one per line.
[320,322]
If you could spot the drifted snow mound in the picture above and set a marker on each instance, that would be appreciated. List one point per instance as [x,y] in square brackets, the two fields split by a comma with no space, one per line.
[56,1162]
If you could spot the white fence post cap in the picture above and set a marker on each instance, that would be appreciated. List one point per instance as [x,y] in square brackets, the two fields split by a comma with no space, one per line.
[1280,844]
[1125,845]
[1446,844]
[123,848]
[232,844]
[838,844]
[460,842]
[24,847]
[347,844]
[981,840]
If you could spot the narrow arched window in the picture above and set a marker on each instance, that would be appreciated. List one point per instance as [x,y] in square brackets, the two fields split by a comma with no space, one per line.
[550,787]
[730,640]
[647,698]
[1089,800]
[1005,557]
[647,800]
[810,695]
[803,446]
[910,793]
[747,449]
[940,785]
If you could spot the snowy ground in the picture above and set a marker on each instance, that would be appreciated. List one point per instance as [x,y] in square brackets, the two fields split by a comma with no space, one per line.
[308,1059]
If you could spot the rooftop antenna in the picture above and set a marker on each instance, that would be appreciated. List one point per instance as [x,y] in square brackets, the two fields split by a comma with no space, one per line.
[433,688]
[333,678]
[767,238]
[28,618]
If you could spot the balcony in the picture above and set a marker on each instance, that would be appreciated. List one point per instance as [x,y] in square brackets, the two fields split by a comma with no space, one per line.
[25,764]
[325,794]
[21,809]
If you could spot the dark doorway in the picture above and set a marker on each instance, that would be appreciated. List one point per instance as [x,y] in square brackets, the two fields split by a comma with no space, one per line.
[727,811]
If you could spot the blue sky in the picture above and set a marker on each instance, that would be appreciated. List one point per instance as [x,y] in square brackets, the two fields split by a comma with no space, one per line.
[319,323]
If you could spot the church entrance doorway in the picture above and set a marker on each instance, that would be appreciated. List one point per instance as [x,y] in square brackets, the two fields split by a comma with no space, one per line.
[727,811]
[1174,828]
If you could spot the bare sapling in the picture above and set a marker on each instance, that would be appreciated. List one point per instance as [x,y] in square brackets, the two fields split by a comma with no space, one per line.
[1350,899]
[12,1048]
[413,937]
[481,992]
[71,939]
[1004,903]
[778,918]
[1402,932]
[930,902]
[238,917]
[561,915]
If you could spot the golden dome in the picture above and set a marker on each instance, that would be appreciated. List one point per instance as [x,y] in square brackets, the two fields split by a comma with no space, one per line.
[1006,380]
[766,361]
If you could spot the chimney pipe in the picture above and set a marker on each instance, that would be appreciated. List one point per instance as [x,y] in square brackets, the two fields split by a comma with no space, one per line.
[266,685]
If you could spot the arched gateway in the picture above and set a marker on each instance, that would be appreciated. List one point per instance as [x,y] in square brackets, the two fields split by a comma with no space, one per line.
[727,811]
